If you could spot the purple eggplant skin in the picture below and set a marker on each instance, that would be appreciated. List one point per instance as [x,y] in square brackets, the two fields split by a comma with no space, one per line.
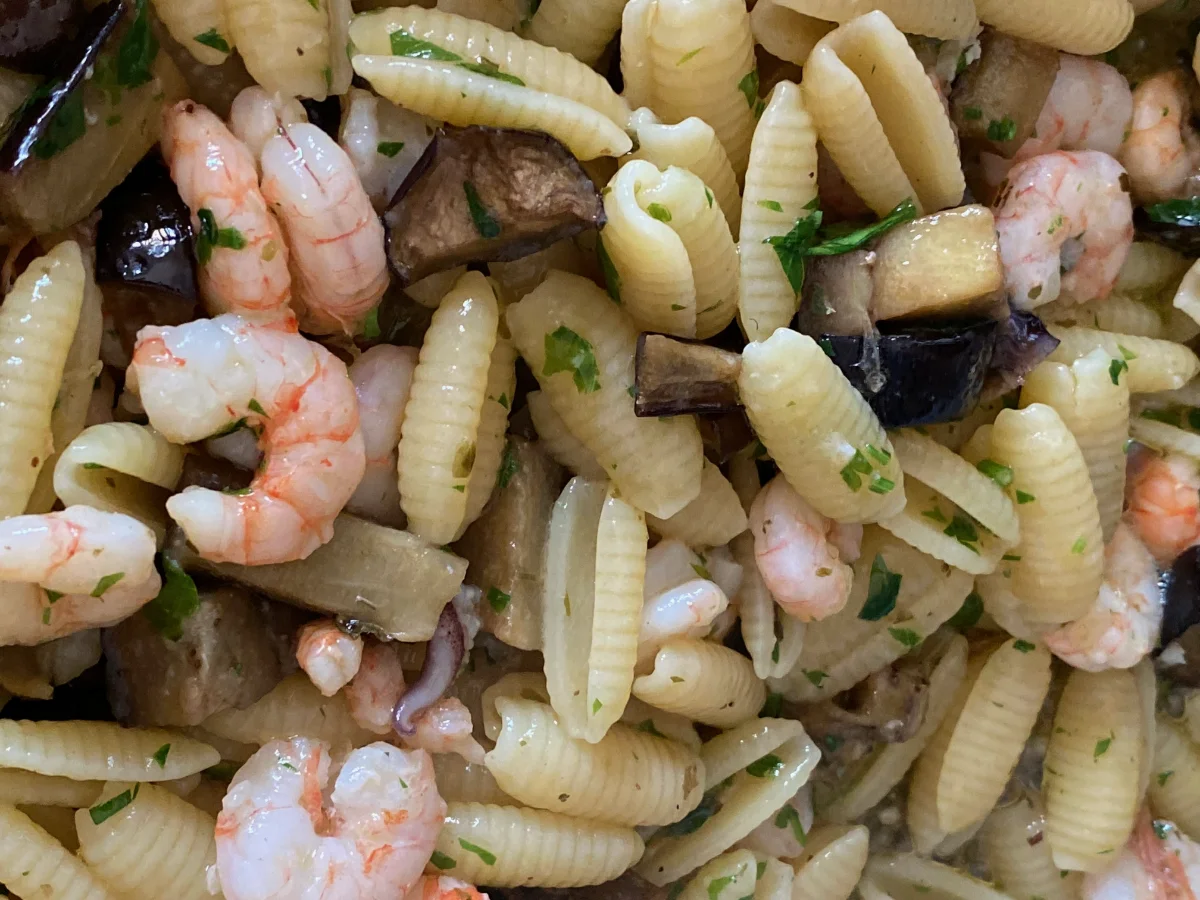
[34,33]
[1182,608]
[1182,236]
[34,120]
[1022,342]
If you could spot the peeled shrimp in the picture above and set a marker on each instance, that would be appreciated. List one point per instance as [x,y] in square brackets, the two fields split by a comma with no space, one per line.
[1158,863]
[215,174]
[1123,624]
[68,571]
[1066,224]
[256,117]
[382,378]
[799,552]
[199,378]
[336,239]
[329,656]
[1088,108]
[1163,150]
[443,887]
[1162,503]
[684,611]
[281,836]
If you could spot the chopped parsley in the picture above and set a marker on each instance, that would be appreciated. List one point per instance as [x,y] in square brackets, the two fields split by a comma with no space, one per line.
[772,707]
[509,465]
[649,727]
[972,113]
[211,237]
[109,808]
[1023,646]
[719,884]
[659,212]
[749,87]
[905,636]
[1001,129]
[138,49]
[1102,746]
[1002,475]
[566,351]
[963,530]
[857,466]
[405,44]
[66,127]
[612,278]
[882,593]
[371,325]
[773,205]
[1023,498]
[442,861]
[815,676]
[106,582]
[1115,368]
[789,818]
[765,766]
[596,706]
[487,856]
[691,54]
[485,223]
[705,810]
[1164,776]
[968,614]
[212,38]
[1176,212]
[160,755]
[497,599]
[1079,546]
[177,600]
[389,148]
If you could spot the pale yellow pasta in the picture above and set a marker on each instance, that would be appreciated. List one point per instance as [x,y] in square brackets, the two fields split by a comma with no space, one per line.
[928,522]
[1147,688]
[727,753]
[685,58]
[34,864]
[1154,365]
[1191,715]
[120,467]
[22,676]
[832,863]
[1116,312]
[1150,270]
[775,880]
[292,707]
[880,117]
[730,876]
[562,446]
[781,185]
[1175,776]
[1061,552]
[37,325]
[285,45]
[714,518]
[462,97]
[438,440]
[1164,437]
[1022,865]
[1187,297]
[57,821]
[21,788]
[703,681]
[198,25]
[815,426]
[946,19]
[493,425]
[506,14]
[691,144]
[1090,775]
[628,778]
[906,875]
[582,28]
[513,280]
[154,847]
[785,33]
[532,847]
[655,464]
[98,751]
[459,780]
[1085,27]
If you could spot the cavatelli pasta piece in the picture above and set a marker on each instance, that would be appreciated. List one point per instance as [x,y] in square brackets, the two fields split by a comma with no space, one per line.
[1187,296]
[1090,775]
[781,185]
[939,528]
[530,847]
[462,97]
[880,117]
[714,518]
[294,706]
[628,778]
[22,676]
[21,788]
[1175,776]
[37,325]
[727,753]
[465,782]
[730,876]
[285,45]
[1153,365]
[439,439]
[703,681]
[120,467]
[785,33]
[1164,437]
[493,425]
[34,864]
[1149,271]
[1147,688]
[198,25]
[562,446]
[821,432]
[97,751]
[775,880]
[1020,859]
[156,845]
[1084,27]
[905,875]
[582,28]
[580,346]
[946,19]
[1116,312]
[832,863]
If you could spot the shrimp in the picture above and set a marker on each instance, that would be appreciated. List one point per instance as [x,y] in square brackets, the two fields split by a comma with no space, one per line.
[1158,863]
[443,887]
[243,257]
[1123,624]
[68,571]
[279,838]
[1162,503]
[329,656]
[199,378]
[1088,108]
[799,552]
[1163,150]
[684,611]
[1066,224]
[338,262]
[256,117]
[382,377]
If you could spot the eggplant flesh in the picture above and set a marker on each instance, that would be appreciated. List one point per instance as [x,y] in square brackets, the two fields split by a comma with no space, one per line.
[34,32]
[675,377]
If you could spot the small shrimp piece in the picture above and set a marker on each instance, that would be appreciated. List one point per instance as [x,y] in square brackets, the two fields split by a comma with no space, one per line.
[446,727]
[1123,624]
[800,553]
[69,571]
[382,378]
[246,268]
[1066,224]
[1159,862]
[256,116]
[1162,503]
[1088,108]
[329,656]
[338,261]
[1163,150]
[443,887]
[197,379]
[280,836]
[684,611]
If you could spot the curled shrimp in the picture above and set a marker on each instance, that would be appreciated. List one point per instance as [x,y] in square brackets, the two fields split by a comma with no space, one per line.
[382,378]
[244,269]
[443,887]
[279,838]
[1162,503]
[1066,224]
[800,553]
[1157,863]
[1123,624]
[1162,151]
[68,571]
[200,378]
[1088,108]
[329,656]
[338,263]
[687,610]
[256,116]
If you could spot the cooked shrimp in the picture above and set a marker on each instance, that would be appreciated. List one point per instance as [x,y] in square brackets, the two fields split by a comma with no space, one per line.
[1163,150]
[1123,624]
[1088,108]
[1158,863]
[1066,224]
[256,117]
[199,378]
[278,838]
[446,727]
[329,656]
[382,377]
[68,571]
[799,552]
[247,271]
[1162,503]
[336,239]
[443,887]
[684,611]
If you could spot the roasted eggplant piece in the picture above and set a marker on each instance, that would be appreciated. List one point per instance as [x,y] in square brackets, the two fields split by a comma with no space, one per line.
[1174,224]
[487,194]
[34,32]
[1022,342]
[1179,659]
[837,294]
[724,435]
[675,377]
[398,320]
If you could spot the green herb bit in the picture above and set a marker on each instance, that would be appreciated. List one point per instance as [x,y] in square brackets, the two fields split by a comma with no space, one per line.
[883,589]
[691,54]
[509,465]
[789,818]
[649,727]
[566,351]
[749,87]
[905,636]
[442,861]
[66,127]
[1023,646]
[1126,353]
[160,755]
[1002,475]
[659,212]
[106,582]
[963,530]
[1079,546]
[815,676]
[1185,213]
[138,49]
[109,808]
[212,38]
[612,278]
[968,614]
[1023,498]
[487,856]
[1001,129]
[773,205]
[389,148]
[497,599]
[176,602]
[485,222]
[765,766]
[371,329]
[1102,746]
[211,236]
[1115,368]
[972,113]
[856,467]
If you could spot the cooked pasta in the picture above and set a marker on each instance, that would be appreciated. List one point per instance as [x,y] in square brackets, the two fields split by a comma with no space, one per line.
[775,880]
[1149,271]
[531,847]
[1085,27]
[198,25]
[582,28]
[1175,776]
[562,446]
[727,753]
[286,46]
[781,184]
[493,428]
[21,788]
[1164,436]
[905,875]
[946,19]
[940,528]
[1153,365]
[832,863]
[730,876]
[294,706]
[785,33]
[465,782]
[1020,859]
[703,681]
[34,864]
[1147,688]
[1187,297]
[714,518]
[22,676]
[1116,312]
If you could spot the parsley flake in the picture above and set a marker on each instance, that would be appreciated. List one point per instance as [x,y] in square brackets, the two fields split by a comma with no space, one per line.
[566,351]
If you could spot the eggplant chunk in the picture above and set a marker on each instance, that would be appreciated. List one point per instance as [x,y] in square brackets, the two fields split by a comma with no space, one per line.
[1180,636]
[487,194]
[1174,224]
[1022,342]
[676,377]
[34,32]
[837,294]
[724,435]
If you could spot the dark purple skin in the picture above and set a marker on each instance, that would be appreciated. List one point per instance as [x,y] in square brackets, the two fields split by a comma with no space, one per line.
[1182,608]
[34,32]
[1022,342]
[443,656]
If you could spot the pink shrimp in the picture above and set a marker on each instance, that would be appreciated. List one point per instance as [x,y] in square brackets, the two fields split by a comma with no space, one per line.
[443,887]
[382,377]
[1163,150]
[1162,503]
[1088,108]
[256,117]
[328,655]
[243,257]
[338,261]
[202,377]
[1158,863]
